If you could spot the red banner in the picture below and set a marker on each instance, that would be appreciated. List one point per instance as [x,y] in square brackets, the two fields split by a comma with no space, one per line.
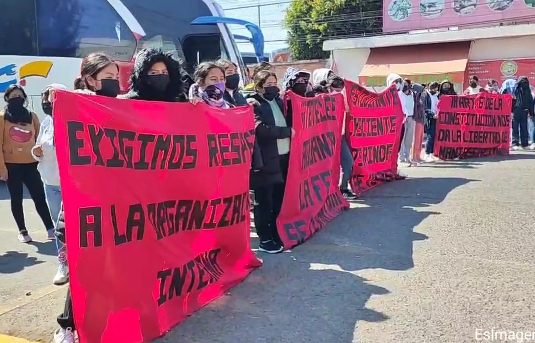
[156,210]
[312,197]
[473,126]
[374,133]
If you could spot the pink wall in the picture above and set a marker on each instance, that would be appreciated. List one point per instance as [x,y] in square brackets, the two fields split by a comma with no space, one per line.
[407,15]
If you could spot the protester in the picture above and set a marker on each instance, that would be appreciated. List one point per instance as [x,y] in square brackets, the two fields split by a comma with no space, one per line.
[99,76]
[492,86]
[407,98]
[209,86]
[319,80]
[273,137]
[522,108]
[474,86]
[156,76]
[298,81]
[19,128]
[250,88]
[430,101]
[44,152]
[419,118]
[233,94]
[446,88]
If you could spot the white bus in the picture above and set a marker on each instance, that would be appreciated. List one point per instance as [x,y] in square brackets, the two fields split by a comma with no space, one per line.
[44,41]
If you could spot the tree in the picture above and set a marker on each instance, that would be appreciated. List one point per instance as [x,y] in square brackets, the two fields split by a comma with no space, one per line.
[310,22]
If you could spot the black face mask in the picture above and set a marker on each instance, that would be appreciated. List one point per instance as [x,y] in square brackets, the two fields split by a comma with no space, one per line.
[271,93]
[405,89]
[158,82]
[109,88]
[16,103]
[47,108]
[233,81]
[300,88]
[473,84]
[433,92]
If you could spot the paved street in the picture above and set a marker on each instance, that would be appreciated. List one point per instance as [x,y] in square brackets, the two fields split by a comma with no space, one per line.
[428,259]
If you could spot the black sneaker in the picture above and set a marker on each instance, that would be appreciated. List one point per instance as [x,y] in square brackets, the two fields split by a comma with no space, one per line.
[270,247]
[348,194]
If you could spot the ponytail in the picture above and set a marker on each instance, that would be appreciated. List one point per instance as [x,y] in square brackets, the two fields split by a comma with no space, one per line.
[79,83]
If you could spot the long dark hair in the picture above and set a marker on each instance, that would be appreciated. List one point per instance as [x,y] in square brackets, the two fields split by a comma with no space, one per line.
[93,64]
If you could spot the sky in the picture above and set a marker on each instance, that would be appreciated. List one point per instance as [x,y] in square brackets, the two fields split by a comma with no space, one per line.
[271,13]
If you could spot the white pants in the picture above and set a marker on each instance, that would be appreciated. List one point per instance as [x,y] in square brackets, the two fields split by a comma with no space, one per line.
[408,139]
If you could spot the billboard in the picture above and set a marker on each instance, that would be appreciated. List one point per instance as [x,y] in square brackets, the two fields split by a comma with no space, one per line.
[409,15]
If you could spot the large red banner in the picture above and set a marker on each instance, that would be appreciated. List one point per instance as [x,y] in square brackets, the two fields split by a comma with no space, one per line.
[312,197]
[156,209]
[470,126]
[374,133]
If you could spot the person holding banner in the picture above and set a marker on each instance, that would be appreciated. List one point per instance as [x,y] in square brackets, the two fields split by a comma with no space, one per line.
[19,128]
[522,108]
[298,81]
[44,152]
[408,104]
[430,101]
[99,76]
[273,137]
[233,94]
[209,86]
[156,76]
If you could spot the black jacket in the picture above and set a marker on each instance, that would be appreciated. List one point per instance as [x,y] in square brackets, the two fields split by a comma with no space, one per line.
[236,99]
[266,138]
[140,90]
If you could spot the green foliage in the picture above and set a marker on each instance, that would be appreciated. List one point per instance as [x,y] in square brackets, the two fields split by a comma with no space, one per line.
[310,22]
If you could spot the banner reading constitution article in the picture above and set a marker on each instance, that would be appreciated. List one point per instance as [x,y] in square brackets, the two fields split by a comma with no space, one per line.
[156,201]
[312,197]
[374,133]
[473,126]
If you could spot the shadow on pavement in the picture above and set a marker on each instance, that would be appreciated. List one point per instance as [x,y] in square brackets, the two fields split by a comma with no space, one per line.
[14,262]
[45,248]
[314,294]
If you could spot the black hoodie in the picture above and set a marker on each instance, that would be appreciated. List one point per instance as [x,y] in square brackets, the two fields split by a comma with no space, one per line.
[140,90]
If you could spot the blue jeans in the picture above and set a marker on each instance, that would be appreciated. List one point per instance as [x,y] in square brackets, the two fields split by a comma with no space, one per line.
[430,136]
[346,160]
[53,198]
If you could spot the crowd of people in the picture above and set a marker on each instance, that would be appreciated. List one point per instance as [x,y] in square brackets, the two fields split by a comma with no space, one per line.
[420,107]
[28,152]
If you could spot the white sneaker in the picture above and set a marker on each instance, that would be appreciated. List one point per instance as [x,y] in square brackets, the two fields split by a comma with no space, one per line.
[532,146]
[515,148]
[63,336]
[24,238]
[62,275]
[402,174]
[435,158]
[429,158]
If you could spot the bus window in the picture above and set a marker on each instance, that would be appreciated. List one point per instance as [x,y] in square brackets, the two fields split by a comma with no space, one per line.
[76,28]
[18,28]
[203,48]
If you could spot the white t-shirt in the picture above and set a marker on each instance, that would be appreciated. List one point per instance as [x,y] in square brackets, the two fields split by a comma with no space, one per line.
[407,102]
[434,103]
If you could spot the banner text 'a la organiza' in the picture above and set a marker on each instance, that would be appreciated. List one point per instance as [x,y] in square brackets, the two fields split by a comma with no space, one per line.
[156,204]
[470,126]
[312,197]
[374,133]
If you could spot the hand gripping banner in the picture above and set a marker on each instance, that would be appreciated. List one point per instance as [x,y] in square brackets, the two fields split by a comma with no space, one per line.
[312,197]
[374,133]
[156,199]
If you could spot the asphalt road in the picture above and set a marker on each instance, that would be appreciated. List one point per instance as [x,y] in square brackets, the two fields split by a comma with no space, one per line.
[429,259]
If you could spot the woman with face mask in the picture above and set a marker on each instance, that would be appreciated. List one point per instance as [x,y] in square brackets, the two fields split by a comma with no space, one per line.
[156,76]
[233,95]
[273,137]
[430,103]
[522,109]
[99,76]
[19,129]
[209,86]
[44,152]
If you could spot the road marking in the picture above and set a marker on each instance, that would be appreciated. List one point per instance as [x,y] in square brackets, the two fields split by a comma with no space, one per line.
[11,339]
